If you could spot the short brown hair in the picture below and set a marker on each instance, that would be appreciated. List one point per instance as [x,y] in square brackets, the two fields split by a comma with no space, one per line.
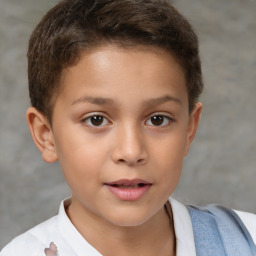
[74,26]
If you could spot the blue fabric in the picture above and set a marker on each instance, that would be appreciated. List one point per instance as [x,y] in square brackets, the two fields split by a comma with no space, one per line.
[218,231]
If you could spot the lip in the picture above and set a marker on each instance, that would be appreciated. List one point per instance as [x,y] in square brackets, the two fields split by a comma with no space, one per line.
[128,190]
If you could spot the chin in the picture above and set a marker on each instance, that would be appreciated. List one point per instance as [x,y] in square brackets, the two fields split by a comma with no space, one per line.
[129,223]
[129,218]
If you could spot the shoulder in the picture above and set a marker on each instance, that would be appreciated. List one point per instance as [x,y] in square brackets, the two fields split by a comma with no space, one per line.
[34,241]
[223,213]
[224,226]
[249,220]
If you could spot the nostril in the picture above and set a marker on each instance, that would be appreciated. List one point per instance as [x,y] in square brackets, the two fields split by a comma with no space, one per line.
[123,161]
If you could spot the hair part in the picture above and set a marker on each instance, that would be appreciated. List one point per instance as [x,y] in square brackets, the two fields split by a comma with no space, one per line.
[75,26]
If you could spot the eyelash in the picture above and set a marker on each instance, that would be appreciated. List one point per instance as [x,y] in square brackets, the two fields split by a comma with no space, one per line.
[166,120]
[105,121]
[88,119]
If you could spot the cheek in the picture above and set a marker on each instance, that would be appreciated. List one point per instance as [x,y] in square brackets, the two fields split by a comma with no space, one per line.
[80,148]
[169,158]
[81,171]
[82,159]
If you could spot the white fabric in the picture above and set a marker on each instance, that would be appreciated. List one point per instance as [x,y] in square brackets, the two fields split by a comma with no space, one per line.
[61,231]
[249,221]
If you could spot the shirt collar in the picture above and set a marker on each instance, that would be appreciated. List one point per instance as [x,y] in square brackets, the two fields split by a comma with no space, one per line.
[182,225]
[183,229]
[71,235]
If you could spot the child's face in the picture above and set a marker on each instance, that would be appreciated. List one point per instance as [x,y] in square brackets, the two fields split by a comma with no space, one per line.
[121,129]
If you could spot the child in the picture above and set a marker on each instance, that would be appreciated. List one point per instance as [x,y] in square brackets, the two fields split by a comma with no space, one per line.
[114,88]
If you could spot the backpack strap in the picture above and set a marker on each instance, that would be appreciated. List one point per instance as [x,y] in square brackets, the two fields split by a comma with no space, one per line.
[220,231]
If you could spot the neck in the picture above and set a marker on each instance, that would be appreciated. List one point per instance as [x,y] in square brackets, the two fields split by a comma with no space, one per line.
[155,237]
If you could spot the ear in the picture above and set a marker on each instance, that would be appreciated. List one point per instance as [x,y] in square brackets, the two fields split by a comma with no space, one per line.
[194,119]
[42,135]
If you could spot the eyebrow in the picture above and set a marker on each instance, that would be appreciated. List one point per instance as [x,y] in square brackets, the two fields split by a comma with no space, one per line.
[162,100]
[107,101]
[93,100]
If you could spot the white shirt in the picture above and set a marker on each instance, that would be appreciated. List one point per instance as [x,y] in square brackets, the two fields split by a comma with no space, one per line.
[70,242]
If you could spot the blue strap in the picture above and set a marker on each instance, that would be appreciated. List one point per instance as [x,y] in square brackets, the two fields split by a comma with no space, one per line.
[219,231]
[233,230]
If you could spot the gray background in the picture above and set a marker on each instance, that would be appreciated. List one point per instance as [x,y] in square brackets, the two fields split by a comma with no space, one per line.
[221,167]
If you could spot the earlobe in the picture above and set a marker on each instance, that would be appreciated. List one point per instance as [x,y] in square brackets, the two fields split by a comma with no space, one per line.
[41,133]
[194,120]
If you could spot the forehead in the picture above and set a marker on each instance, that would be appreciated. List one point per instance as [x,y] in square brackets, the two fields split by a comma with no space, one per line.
[139,70]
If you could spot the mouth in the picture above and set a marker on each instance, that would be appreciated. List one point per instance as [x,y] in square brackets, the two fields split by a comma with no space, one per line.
[128,184]
[128,190]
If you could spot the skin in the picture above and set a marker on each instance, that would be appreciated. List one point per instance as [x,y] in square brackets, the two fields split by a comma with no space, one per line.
[126,88]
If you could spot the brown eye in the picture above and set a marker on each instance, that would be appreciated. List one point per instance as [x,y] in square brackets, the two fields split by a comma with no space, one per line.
[96,120]
[158,120]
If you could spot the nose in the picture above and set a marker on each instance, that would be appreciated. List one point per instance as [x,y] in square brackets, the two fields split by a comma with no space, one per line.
[130,148]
